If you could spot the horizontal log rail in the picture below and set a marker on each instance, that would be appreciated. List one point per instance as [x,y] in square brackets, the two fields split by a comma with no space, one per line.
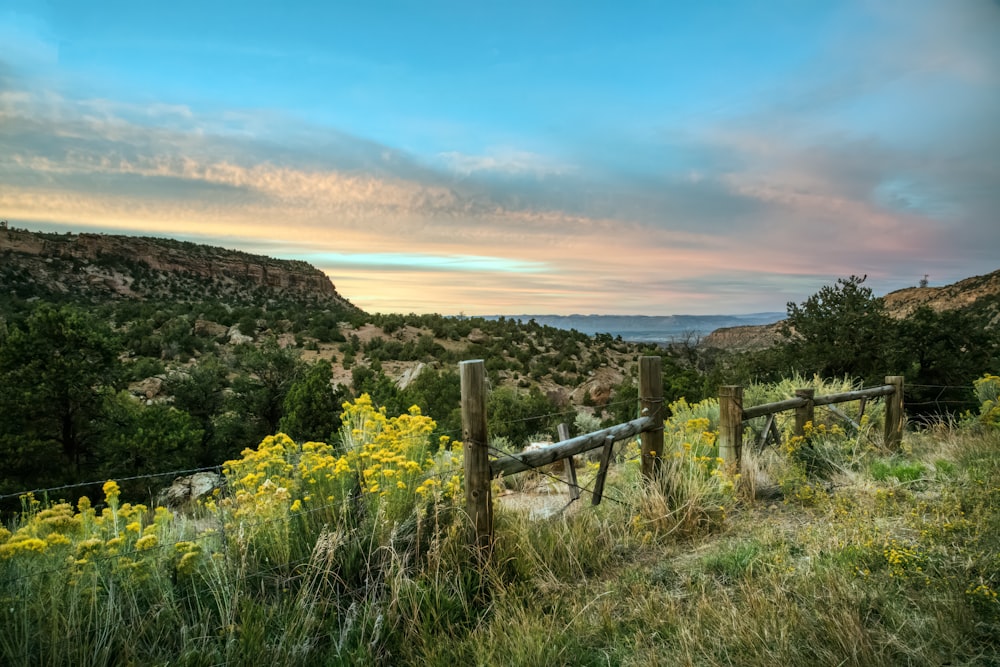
[509,464]
[732,414]
[770,408]
[843,397]
[794,403]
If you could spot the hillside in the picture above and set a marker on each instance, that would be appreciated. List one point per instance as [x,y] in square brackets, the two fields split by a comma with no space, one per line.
[101,267]
[978,293]
[978,296]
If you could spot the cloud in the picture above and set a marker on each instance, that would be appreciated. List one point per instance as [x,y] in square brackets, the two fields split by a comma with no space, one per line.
[505,161]
[877,156]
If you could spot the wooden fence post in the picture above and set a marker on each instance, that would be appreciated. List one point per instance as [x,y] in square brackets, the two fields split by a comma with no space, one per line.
[731,425]
[651,405]
[569,465]
[478,496]
[894,412]
[805,413]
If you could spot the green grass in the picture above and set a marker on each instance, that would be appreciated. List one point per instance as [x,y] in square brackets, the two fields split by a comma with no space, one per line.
[857,564]
[903,471]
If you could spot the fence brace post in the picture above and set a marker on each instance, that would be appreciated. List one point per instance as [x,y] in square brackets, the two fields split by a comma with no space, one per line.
[569,465]
[731,425]
[806,413]
[651,405]
[894,416]
[475,439]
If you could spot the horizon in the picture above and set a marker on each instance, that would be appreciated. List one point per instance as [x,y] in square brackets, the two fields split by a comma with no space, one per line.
[551,158]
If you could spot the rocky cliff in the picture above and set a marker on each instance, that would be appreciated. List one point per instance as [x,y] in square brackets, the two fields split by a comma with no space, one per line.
[110,266]
[743,338]
[981,293]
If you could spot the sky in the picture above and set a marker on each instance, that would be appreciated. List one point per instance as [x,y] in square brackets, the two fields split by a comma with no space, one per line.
[543,157]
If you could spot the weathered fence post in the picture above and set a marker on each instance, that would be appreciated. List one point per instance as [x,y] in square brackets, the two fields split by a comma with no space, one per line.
[805,413]
[651,405]
[478,497]
[894,412]
[569,465]
[731,425]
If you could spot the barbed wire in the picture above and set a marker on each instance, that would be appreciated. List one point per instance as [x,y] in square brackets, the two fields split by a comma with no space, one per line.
[545,473]
[205,535]
[455,434]
[130,478]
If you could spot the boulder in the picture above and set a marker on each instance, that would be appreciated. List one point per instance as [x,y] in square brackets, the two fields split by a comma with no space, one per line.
[148,388]
[409,375]
[478,336]
[209,328]
[192,488]
[237,338]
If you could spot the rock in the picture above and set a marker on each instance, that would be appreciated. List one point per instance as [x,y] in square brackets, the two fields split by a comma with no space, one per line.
[148,388]
[478,336]
[209,328]
[744,338]
[189,489]
[409,375]
[238,338]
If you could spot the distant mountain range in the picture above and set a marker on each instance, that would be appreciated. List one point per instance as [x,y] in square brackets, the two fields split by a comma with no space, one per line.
[649,328]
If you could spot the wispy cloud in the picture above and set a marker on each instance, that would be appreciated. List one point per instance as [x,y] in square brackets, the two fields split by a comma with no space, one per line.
[878,155]
[505,162]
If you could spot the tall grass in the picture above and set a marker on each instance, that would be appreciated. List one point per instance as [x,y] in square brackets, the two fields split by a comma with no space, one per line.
[355,553]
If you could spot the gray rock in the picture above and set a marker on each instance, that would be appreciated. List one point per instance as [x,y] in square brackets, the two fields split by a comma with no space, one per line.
[189,489]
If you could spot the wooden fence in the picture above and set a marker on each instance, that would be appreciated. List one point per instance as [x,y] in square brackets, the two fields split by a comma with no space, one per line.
[732,414]
[480,469]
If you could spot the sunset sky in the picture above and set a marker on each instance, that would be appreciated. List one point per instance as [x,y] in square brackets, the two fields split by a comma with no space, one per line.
[520,157]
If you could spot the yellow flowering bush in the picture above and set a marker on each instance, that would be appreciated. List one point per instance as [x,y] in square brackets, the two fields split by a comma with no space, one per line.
[988,392]
[384,470]
[694,489]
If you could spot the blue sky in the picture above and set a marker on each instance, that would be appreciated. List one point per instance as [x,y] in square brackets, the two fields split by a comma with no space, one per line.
[543,157]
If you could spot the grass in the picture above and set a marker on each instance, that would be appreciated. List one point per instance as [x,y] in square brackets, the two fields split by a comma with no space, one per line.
[869,557]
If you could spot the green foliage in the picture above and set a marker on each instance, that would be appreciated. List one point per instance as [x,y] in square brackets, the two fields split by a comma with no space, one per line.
[842,330]
[267,372]
[941,351]
[135,439]
[312,406]
[518,415]
[987,390]
[144,367]
[55,371]
[902,471]
[439,394]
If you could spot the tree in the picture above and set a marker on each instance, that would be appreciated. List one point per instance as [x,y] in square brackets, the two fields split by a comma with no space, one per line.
[517,416]
[55,372]
[200,392]
[312,406]
[267,373]
[136,439]
[940,352]
[842,330]
[439,395]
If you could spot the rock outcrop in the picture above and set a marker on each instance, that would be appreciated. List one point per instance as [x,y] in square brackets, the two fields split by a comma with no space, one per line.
[102,265]
[968,293]
[743,338]
[190,489]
